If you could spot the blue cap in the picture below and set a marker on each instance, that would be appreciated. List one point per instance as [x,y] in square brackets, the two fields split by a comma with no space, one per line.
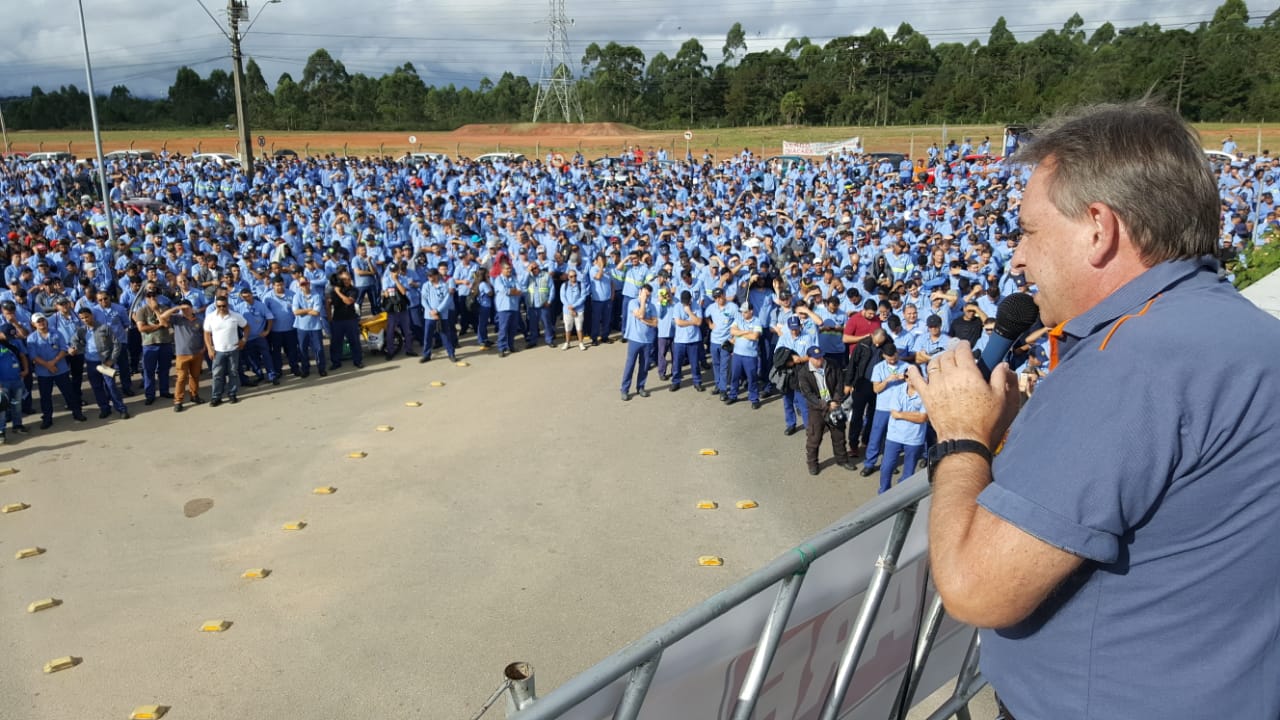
[814,352]
[794,323]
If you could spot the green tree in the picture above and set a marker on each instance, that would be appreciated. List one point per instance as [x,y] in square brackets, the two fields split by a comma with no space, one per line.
[326,83]
[735,43]
[792,107]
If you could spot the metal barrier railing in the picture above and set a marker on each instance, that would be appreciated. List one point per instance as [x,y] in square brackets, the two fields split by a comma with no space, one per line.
[640,660]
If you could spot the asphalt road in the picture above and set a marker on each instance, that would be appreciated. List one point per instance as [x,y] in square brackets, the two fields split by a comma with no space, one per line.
[523,512]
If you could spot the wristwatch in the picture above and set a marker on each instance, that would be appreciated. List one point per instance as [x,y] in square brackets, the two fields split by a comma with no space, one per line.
[952,447]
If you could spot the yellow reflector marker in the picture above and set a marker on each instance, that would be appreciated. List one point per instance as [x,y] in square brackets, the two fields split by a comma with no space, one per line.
[710,561]
[707,505]
[149,712]
[44,604]
[384,428]
[325,490]
[357,455]
[436,383]
[707,451]
[413,403]
[8,471]
[62,663]
[256,573]
[215,625]
[747,504]
[295,525]
[463,363]
[28,552]
[14,507]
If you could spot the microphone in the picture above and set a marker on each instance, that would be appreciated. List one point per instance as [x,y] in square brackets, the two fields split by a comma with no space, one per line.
[1015,315]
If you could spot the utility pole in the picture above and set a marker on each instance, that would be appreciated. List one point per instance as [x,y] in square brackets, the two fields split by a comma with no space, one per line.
[555,83]
[1182,74]
[238,10]
[97,134]
[4,134]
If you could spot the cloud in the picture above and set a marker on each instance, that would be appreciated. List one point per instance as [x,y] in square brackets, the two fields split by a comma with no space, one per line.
[141,43]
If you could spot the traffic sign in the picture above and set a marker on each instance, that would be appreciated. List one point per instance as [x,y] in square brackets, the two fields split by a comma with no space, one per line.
[688,135]
[413,139]
[262,140]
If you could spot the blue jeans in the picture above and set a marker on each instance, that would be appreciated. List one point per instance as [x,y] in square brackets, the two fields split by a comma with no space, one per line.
[226,374]
[69,393]
[720,365]
[13,416]
[878,427]
[447,331]
[397,322]
[507,320]
[744,368]
[371,292]
[256,358]
[156,361]
[284,343]
[105,391]
[600,319]
[686,353]
[540,317]
[311,345]
[794,407]
[637,366]
[348,331]
[892,451]
[484,316]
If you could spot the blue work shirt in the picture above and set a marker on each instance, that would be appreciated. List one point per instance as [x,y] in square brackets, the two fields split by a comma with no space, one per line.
[504,300]
[722,318]
[308,301]
[46,348]
[637,331]
[1150,453]
[438,297]
[281,309]
[903,432]
[745,346]
[691,333]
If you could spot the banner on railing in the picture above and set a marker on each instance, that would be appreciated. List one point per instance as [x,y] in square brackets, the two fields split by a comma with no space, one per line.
[852,145]
[699,676]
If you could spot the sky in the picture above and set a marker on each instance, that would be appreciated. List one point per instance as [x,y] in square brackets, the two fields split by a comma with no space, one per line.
[142,43]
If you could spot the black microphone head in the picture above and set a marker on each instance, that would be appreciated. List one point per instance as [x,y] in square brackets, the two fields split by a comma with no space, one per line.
[1015,315]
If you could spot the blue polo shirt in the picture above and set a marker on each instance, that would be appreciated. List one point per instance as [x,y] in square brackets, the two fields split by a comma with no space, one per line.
[637,331]
[1150,452]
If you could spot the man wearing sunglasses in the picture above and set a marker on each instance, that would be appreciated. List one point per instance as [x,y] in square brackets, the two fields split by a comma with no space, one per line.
[48,351]
[222,333]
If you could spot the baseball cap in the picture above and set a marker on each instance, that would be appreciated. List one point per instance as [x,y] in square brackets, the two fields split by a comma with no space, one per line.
[814,352]
[933,321]
[717,292]
[35,317]
[793,323]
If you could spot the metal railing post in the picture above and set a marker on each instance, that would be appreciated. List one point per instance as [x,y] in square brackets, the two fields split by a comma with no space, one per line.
[520,692]
[768,647]
[637,687]
[885,566]
[928,633]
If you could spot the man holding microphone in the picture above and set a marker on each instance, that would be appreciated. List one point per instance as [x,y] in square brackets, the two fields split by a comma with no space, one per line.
[1120,551]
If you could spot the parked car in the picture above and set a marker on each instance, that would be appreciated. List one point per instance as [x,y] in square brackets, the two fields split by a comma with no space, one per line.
[786,162]
[985,161]
[119,155]
[223,159]
[508,157]
[49,157]
[420,158]
[285,153]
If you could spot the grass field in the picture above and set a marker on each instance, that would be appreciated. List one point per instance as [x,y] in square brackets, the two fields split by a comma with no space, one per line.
[592,140]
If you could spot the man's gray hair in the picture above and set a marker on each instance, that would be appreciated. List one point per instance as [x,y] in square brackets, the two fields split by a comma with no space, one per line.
[1145,163]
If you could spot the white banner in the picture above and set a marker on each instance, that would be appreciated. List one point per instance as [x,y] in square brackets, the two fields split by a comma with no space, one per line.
[699,677]
[852,145]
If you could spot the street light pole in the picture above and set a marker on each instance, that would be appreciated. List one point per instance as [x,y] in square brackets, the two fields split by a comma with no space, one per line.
[4,134]
[238,10]
[97,133]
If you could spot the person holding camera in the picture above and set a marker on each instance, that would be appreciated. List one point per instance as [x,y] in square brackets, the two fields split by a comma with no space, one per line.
[819,383]
[157,347]
[395,301]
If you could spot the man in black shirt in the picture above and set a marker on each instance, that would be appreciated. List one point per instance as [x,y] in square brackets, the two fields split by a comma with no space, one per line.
[345,322]
[969,325]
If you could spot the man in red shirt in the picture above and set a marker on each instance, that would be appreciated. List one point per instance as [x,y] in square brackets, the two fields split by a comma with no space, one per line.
[861,324]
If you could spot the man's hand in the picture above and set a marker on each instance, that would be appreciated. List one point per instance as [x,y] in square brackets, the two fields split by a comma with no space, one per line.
[960,403]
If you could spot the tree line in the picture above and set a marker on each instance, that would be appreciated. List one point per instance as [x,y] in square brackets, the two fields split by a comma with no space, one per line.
[1226,69]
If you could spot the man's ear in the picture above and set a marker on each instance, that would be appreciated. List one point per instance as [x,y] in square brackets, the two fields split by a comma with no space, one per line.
[1108,233]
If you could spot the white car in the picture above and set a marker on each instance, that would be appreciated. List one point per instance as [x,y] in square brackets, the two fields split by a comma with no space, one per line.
[129,155]
[222,159]
[507,157]
[420,158]
[1217,156]
[49,157]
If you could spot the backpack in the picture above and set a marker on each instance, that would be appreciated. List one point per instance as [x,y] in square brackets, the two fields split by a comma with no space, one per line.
[782,374]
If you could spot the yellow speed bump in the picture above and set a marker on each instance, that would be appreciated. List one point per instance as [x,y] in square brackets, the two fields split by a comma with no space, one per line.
[357,455]
[44,604]
[710,561]
[325,490]
[708,451]
[436,383]
[413,403]
[14,507]
[295,525]
[256,573]
[28,552]
[8,471]
[384,428]
[463,363]
[62,663]
[215,625]
[747,504]
[149,712]
[707,505]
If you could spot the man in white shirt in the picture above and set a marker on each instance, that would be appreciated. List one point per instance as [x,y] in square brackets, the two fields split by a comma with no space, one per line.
[222,334]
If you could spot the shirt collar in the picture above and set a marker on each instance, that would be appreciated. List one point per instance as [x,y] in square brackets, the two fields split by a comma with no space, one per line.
[1136,292]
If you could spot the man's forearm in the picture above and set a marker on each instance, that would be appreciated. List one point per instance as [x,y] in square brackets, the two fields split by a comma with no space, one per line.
[958,481]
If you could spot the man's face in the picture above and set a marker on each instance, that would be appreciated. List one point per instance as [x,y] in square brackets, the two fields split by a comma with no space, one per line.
[1053,252]
[910,314]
